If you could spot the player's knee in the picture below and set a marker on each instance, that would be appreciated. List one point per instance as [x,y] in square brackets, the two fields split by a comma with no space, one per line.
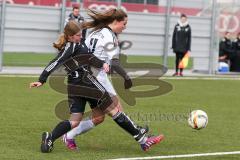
[74,123]
[98,119]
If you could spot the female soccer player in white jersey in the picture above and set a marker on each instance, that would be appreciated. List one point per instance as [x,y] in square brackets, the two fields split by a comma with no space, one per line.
[83,87]
[105,27]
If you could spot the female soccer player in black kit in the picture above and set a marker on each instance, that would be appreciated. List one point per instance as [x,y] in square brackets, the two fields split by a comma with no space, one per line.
[91,90]
[104,26]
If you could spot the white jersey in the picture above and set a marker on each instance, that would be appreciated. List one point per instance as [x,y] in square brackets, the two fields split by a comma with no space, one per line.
[103,44]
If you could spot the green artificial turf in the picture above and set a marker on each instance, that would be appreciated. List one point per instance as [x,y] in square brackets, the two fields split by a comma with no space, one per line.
[25,113]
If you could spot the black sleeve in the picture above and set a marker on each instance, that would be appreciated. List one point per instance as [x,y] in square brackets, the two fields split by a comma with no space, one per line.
[56,62]
[116,66]
[95,62]
[83,57]
[174,38]
[189,39]
[89,59]
[227,49]
[221,48]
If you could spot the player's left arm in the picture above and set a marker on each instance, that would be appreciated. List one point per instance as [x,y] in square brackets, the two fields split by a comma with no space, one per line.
[116,66]
[112,51]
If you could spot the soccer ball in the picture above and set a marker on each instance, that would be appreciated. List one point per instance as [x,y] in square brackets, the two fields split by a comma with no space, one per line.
[198,119]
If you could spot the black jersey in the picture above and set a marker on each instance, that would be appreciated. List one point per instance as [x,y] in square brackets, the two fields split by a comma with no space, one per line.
[181,40]
[226,47]
[74,56]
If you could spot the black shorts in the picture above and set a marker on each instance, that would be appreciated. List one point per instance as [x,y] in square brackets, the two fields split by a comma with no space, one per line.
[87,89]
[77,104]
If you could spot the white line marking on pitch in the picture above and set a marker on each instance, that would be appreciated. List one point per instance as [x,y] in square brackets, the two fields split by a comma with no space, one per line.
[181,156]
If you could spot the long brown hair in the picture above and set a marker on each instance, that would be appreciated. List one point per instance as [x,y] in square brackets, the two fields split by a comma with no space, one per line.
[101,20]
[70,29]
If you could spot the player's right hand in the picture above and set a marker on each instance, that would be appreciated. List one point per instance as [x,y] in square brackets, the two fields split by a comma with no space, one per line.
[35,84]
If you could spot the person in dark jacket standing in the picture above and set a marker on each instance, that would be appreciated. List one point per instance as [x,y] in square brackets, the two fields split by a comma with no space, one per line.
[75,15]
[181,41]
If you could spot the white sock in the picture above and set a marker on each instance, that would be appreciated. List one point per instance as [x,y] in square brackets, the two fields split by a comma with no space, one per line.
[84,126]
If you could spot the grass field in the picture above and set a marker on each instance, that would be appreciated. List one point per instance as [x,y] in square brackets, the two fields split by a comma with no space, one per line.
[37,59]
[25,113]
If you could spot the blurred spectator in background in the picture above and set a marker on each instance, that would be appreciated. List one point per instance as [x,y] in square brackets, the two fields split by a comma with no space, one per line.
[235,58]
[75,15]
[181,41]
[227,50]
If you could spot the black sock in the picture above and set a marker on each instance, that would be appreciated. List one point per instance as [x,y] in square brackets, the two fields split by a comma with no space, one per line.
[126,123]
[176,64]
[62,128]
[181,70]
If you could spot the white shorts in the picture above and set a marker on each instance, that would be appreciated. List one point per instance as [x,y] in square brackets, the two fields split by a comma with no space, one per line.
[102,77]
